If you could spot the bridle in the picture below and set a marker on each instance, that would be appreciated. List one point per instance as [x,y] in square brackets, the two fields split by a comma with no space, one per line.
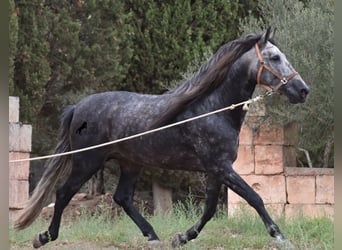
[263,65]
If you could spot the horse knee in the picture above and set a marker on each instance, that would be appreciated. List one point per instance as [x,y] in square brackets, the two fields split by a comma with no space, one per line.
[63,196]
[121,199]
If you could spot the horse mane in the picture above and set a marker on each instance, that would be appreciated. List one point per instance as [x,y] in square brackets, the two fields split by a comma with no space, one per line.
[207,78]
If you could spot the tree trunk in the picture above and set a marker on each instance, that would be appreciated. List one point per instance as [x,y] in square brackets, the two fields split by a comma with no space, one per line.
[327,151]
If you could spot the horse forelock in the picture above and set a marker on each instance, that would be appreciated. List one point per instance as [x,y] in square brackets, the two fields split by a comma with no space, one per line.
[207,78]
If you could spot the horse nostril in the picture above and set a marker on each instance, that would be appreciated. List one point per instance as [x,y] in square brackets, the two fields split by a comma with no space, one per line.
[304,92]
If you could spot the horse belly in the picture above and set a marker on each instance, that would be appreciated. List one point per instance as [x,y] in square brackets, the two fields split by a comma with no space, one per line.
[161,153]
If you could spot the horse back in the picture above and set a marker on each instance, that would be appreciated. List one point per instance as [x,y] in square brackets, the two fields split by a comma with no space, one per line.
[109,116]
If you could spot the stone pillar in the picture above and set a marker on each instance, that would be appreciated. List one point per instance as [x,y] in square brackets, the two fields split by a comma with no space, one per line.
[19,148]
[162,198]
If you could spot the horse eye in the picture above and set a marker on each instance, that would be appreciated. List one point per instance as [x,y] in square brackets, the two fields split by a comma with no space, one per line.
[275,58]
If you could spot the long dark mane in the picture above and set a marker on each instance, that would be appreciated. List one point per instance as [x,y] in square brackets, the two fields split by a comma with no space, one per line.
[207,78]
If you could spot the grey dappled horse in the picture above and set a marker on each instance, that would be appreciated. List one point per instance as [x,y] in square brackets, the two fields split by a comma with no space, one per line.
[208,145]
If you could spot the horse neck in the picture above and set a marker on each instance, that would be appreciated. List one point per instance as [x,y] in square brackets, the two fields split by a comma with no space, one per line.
[236,88]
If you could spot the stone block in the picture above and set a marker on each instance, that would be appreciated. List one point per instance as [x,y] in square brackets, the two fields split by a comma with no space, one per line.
[244,163]
[270,188]
[20,137]
[325,189]
[18,193]
[275,210]
[235,209]
[274,134]
[13,215]
[290,171]
[269,159]
[19,170]
[246,135]
[310,210]
[300,189]
[162,199]
[13,112]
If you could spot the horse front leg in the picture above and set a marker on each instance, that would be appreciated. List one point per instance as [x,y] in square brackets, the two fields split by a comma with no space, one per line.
[234,181]
[212,194]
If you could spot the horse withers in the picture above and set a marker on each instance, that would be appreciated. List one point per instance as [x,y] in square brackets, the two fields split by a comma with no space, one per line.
[208,144]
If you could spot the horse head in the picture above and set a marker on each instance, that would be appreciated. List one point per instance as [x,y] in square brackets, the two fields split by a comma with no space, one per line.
[274,72]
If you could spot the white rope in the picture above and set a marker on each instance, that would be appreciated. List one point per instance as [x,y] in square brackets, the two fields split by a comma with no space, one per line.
[231,107]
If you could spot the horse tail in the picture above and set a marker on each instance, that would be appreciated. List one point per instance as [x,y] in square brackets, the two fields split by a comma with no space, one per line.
[55,169]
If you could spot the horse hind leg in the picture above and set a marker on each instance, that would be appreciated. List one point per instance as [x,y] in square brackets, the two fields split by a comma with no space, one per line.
[212,193]
[124,197]
[83,168]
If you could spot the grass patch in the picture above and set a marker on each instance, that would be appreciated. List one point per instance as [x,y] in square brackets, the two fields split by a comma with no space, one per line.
[244,231]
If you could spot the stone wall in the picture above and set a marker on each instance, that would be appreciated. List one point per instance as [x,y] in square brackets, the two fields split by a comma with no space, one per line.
[267,161]
[19,148]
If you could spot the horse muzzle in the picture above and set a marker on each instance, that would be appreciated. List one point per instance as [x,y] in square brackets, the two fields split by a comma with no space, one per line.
[296,90]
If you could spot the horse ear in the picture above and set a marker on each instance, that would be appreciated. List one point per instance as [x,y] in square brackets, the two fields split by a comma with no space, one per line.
[272,34]
[267,35]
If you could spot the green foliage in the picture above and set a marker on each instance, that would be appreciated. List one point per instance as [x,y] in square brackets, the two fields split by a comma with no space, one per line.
[78,49]
[32,69]
[167,35]
[89,57]
[13,39]
[105,53]
[305,34]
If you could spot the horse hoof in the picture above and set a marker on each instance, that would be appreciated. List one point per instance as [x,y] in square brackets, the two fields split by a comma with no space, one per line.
[155,244]
[36,242]
[178,240]
[285,244]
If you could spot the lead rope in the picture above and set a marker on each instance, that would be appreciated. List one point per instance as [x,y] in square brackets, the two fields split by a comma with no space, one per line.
[231,107]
